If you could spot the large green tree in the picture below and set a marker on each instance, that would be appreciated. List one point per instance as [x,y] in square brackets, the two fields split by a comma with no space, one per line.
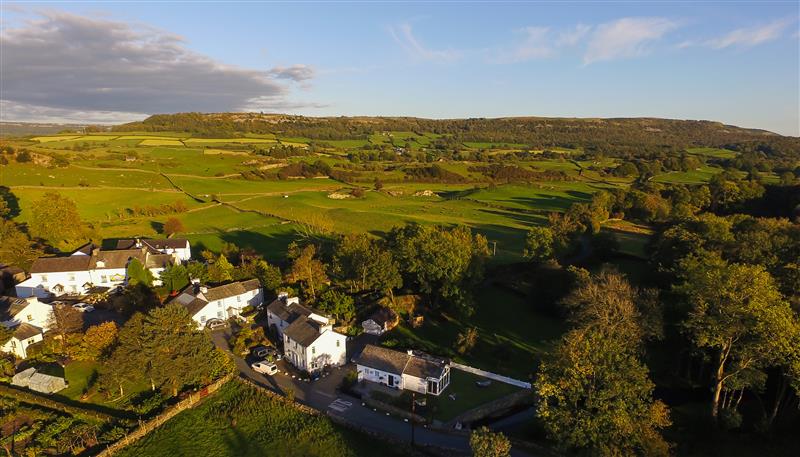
[55,218]
[15,246]
[737,315]
[362,264]
[307,269]
[485,443]
[443,263]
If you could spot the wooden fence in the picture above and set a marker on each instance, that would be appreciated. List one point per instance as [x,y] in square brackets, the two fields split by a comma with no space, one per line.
[154,423]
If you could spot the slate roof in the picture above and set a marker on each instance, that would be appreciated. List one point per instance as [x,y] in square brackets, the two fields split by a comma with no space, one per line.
[24,331]
[399,363]
[10,306]
[231,290]
[166,243]
[288,313]
[305,331]
[425,367]
[60,264]
[383,359]
[189,295]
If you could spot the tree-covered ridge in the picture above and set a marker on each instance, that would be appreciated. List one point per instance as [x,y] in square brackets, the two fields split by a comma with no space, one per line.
[614,136]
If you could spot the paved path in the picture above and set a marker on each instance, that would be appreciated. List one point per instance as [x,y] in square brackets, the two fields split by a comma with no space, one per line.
[323,395]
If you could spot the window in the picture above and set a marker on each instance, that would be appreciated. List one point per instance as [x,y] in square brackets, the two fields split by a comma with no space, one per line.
[44,278]
[103,278]
[31,341]
[337,343]
[313,350]
[71,277]
[219,314]
[202,319]
[219,304]
[238,298]
[30,317]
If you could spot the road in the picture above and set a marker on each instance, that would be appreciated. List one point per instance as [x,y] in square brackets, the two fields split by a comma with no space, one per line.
[323,396]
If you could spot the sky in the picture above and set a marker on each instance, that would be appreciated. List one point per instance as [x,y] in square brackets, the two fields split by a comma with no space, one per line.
[108,62]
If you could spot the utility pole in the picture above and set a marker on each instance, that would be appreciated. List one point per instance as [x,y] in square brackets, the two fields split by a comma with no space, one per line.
[494,253]
[413,404]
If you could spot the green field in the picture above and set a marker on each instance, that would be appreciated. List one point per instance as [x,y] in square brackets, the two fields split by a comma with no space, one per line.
[241,421]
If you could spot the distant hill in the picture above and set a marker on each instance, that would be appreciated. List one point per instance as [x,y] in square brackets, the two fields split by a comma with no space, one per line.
[37,128]
[613,136]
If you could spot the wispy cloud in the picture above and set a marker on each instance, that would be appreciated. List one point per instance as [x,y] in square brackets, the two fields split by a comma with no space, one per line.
[404,36]
[625,38]
[540,43]
[296,73]
[751,36]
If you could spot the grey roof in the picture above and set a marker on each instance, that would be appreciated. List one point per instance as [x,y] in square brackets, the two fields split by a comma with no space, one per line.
[60,264]
[85,249]
[195,303]
[10,306]
[24,331]
[231,290]
[305,331]
[166,243]
[399,363]
[425,367]
[383,359]
[288,313]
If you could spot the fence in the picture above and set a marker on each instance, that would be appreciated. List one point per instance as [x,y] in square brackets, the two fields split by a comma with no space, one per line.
[490,375]
[56,403]
[157,421]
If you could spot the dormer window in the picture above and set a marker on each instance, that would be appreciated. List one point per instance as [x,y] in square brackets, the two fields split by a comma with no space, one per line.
[30,317]
[101,264]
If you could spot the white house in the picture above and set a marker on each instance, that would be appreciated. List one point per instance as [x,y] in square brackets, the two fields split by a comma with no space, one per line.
[15,311]
[178,246]
[285,309]
[311,344]
[220,303]
[24,335]
[29,319]
[410,370]
[77,273]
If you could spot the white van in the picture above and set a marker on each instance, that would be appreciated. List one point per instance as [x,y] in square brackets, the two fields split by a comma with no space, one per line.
[267,368]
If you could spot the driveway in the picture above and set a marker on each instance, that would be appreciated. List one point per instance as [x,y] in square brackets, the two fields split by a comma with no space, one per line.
[323,395]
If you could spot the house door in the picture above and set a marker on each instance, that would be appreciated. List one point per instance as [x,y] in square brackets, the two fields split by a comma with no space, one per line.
[391,381]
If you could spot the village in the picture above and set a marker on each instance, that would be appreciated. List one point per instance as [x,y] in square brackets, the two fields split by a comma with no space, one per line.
[303,354]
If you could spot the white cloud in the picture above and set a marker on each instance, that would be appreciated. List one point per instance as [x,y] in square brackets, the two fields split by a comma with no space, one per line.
[751,36]
[625,38]
[535,45]
[572,36]
[59,63]
[404,36]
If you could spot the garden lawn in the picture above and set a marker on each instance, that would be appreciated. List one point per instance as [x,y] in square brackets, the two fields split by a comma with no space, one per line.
[467,395]
[241,421]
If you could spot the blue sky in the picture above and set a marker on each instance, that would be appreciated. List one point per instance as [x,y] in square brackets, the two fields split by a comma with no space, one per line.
[735,62]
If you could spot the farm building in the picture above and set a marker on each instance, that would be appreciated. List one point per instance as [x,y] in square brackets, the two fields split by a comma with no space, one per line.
[178,246]
[410,370]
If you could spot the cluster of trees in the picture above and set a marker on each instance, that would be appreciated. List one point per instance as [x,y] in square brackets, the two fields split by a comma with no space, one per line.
[304,170]
[514,173]
[178,206]
[433,173]
[635,137]
[595,392]
[165,349]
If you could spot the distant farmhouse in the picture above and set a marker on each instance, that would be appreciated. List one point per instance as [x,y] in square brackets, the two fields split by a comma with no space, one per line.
[410,370]
[89,267]
[208,304]
[29,318]
[309,341]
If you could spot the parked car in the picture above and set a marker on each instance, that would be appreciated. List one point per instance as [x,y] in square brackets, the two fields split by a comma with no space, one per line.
[267,368]
[260,351]
[214,324]
[83,307]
